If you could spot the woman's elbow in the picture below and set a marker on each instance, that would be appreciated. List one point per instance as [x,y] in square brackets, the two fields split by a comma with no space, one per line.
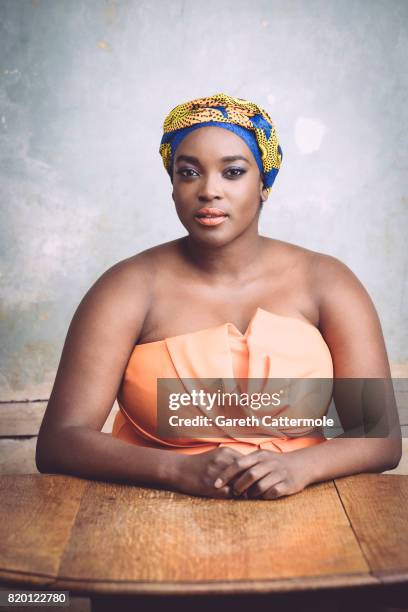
[41,460]
[395,460]
[46,459]
[393,454]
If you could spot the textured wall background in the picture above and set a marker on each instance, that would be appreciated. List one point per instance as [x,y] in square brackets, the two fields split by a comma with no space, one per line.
[85,87]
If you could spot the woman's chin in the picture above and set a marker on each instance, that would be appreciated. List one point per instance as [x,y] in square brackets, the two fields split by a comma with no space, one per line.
[211,238]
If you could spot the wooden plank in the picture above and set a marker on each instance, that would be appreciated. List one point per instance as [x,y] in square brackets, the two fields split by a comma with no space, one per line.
[17,456]
[21,418]
[377,506]
[36,517]
[24,418]
[216,587]
[138,535]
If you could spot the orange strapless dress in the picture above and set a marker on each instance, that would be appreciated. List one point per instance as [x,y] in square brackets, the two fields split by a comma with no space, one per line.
[273,346]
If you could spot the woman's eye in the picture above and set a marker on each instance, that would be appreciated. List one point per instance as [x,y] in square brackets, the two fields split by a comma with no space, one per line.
[235,172]
[185,172]
[190,172]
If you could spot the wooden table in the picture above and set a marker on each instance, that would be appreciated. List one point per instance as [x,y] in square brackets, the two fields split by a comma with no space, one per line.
[333,546]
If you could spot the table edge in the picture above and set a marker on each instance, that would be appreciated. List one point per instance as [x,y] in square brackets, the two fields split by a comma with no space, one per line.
[292,584]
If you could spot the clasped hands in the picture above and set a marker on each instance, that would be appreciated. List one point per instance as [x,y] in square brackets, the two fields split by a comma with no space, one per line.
[226,473]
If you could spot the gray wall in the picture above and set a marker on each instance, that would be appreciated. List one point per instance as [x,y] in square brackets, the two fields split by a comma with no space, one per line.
[85,86]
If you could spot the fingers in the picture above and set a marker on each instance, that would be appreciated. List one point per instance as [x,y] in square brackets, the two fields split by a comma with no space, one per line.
[218,460]
[278,489]
[264,489]
[255,475]
[223,493]
[224,455]
[250,477]
[237,465]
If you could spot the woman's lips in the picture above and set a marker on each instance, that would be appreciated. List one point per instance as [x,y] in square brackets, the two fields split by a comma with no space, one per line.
[209,215]
[209,221]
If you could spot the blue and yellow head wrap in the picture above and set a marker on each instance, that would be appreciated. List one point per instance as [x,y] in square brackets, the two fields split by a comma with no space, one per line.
[244,118]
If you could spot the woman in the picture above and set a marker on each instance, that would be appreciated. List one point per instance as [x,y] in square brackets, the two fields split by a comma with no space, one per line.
[220,301]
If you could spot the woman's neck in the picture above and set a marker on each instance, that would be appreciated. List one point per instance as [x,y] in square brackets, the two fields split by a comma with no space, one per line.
[228,262]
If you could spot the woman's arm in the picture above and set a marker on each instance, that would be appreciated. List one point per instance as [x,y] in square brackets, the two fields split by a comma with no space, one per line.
[351,328]
[100,339]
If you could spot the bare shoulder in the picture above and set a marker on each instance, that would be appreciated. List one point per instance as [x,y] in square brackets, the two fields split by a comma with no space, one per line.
[324,272]
[340,292]
[328,266]
[296,265]
[121,291]
[348,320]
[127,285]
[335,282]
[99,341]
[290,256]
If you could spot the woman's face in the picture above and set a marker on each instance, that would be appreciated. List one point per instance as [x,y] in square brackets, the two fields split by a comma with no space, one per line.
[214,168]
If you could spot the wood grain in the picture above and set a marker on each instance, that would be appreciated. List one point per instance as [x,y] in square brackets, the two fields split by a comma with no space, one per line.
[136,534]
[21,418]
[96,537]
[36,517]
[17,456]
[377,506]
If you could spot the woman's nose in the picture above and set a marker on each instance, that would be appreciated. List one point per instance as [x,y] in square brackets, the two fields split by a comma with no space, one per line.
[210,188]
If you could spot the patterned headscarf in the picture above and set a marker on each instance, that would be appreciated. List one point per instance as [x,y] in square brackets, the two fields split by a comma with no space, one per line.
[244,118]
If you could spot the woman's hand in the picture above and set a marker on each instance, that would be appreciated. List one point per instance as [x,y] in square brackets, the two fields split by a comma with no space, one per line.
[196,474]
[263,474]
